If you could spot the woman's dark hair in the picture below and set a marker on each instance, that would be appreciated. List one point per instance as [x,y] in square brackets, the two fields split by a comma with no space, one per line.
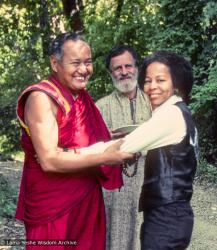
[119,50]
[180,70]
[57,44]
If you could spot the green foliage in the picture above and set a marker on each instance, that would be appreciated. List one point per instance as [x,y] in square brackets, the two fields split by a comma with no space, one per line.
[204,107]
[23,58]
[9,126]
[204,97]
[7,199]
[206,171]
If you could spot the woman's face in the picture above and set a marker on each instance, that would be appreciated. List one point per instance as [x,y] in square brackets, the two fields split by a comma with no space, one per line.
[158,83]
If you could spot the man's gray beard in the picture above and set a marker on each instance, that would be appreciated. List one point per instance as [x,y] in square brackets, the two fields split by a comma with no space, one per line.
[126,86]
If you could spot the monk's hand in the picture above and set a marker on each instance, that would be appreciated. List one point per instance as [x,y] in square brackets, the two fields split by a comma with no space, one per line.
[114,156]
[133,160]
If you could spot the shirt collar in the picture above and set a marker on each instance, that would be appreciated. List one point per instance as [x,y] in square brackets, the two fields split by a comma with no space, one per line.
[172,100]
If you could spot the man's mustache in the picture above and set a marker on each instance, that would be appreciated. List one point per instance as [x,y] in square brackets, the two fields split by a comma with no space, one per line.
[129,76]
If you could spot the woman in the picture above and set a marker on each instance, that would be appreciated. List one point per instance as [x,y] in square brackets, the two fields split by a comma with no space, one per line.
[170,138]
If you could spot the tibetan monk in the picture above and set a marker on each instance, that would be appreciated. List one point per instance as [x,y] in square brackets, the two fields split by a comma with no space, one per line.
[60,199]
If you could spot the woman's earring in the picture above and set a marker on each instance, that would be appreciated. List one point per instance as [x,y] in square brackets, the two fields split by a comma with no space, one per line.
[176,92]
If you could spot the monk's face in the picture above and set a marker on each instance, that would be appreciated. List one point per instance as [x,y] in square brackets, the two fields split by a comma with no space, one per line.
[75,68]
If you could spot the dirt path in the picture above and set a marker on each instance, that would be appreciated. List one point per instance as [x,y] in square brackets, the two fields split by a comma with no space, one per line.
[204,204]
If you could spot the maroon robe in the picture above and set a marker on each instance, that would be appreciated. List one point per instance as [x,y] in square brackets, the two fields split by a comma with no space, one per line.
[66,206]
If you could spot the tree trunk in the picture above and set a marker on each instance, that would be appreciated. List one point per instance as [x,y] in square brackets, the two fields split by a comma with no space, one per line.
[119,7]
[45,26]
[72,10]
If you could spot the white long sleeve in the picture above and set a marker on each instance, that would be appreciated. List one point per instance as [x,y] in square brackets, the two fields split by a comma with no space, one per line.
[165,127]
[96,148]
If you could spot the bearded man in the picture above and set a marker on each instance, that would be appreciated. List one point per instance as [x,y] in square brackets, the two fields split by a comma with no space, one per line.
[126,105]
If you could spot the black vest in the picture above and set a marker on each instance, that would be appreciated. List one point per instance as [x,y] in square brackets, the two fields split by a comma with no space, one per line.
[169,170]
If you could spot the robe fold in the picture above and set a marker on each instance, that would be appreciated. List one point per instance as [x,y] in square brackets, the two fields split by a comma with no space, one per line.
[45,198]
